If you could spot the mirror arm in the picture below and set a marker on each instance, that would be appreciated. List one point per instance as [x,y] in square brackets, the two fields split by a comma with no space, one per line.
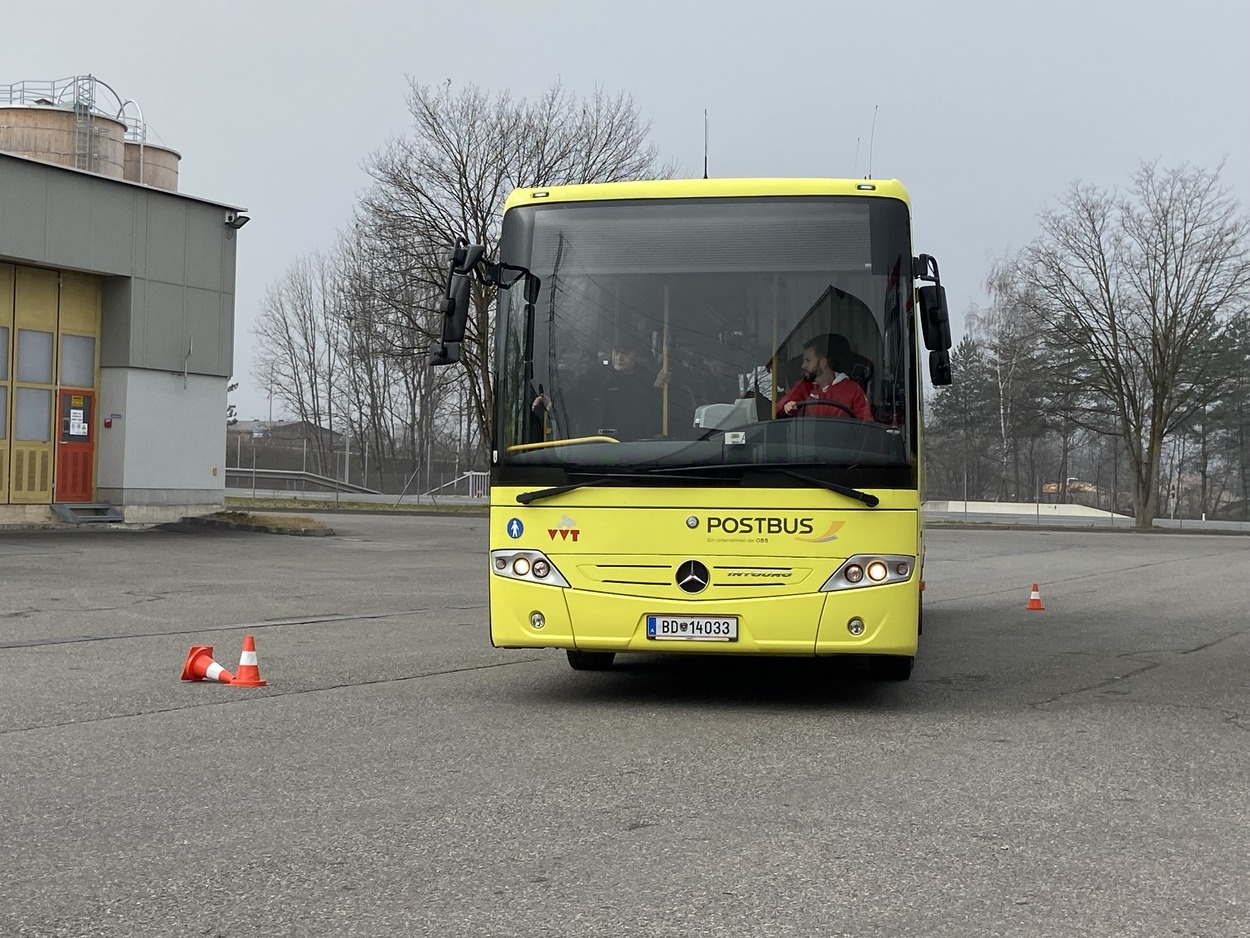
[493,274]
[921,267]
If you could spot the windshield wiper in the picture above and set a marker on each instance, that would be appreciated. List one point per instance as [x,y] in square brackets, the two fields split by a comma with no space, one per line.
[526,497]
[866,497]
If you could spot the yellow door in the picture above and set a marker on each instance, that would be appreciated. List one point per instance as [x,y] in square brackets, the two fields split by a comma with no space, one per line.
[6,373]
[33,374]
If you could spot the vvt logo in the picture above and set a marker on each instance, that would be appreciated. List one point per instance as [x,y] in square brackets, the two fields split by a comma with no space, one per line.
[567,531]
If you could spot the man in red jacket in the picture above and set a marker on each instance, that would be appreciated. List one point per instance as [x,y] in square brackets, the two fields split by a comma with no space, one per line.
[824,390]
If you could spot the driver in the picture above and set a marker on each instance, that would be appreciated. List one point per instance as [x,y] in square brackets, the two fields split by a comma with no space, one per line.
[822,381]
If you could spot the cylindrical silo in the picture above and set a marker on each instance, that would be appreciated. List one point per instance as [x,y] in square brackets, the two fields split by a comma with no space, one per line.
[152,165]
[66,136]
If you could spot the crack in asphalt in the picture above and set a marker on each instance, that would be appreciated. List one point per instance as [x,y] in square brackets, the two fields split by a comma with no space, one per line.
[1212,643]
[1231,717]
[268,696]
[266,624]
[136,601]
[1107,682]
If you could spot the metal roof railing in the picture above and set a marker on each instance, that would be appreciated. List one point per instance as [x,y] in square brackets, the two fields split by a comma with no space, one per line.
[79,94]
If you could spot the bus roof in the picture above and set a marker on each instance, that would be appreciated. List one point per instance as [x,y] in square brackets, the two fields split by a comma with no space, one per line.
[707,188]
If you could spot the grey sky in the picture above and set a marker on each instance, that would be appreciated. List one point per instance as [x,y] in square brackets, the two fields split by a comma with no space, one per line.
[986,111]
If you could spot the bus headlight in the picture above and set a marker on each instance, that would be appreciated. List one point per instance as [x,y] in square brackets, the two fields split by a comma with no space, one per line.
[864,570]
[532,566]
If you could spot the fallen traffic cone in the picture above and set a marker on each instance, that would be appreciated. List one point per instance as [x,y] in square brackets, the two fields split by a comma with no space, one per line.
[249,673]
[1035,600]
[200,666]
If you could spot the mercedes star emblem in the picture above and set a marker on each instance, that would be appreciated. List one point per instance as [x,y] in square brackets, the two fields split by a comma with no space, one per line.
[693,577]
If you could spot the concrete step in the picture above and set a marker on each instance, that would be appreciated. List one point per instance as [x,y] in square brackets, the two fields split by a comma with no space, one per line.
[88,512]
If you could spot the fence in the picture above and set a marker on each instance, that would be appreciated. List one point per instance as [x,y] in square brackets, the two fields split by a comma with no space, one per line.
[298,465]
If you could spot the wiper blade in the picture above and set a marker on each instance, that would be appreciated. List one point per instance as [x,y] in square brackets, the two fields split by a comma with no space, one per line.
[866,497]
[526,497]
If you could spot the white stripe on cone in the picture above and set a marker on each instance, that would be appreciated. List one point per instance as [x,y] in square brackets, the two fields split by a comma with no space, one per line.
[214,672]
[248,657]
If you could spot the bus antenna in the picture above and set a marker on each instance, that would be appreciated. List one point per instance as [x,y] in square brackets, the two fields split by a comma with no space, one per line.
[705,143]
[871,138]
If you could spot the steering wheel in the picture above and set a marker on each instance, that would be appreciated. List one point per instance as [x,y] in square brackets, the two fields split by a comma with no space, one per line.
[837,404]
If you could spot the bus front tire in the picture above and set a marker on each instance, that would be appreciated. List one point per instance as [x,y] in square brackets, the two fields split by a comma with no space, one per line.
[590,660]
[891,667]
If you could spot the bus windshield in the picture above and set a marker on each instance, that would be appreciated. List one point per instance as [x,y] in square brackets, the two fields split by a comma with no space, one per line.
[700,334]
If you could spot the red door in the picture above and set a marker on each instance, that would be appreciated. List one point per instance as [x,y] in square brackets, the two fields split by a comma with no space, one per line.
[75,448]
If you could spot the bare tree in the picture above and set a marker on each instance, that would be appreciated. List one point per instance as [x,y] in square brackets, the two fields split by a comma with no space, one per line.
[1142,286]
[1013,355]
[448,178]
[299,347]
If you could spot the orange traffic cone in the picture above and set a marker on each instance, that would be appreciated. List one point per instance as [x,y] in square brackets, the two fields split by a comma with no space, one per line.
[200,666]
[249,673]
[1035,600]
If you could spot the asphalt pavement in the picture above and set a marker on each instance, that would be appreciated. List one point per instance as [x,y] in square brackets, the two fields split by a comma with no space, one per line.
[1075,771]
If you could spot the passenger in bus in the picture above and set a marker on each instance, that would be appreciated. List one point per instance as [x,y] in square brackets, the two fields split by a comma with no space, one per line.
[624,397]
[618,398]
[826,389]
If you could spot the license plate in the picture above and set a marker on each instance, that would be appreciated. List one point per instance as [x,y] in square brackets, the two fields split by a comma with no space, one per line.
[693,628]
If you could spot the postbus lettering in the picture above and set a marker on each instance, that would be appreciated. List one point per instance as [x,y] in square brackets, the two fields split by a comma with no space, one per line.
[730,525]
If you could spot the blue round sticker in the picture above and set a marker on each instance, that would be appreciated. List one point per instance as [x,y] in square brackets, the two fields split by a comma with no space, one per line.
[515,528]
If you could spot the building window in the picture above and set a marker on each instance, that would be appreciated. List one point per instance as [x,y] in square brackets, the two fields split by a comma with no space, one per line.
[34,357]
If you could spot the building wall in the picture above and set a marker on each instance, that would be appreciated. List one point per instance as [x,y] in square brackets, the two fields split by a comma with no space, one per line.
[170,260]
[167,268]
[167,442]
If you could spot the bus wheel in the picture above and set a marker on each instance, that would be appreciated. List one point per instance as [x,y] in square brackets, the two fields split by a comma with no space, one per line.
[590,660]
[891,667]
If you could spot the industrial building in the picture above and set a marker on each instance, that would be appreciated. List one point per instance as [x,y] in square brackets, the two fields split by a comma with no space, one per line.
[116,314]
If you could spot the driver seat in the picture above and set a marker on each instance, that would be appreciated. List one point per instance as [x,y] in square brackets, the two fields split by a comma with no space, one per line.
[846,360]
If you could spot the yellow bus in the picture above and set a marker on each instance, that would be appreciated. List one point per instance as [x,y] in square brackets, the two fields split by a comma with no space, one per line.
[707,433]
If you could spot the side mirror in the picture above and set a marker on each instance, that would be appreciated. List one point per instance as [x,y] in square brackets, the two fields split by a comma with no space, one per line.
[935,320]
[940,367]
[448,353]
[455,303]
